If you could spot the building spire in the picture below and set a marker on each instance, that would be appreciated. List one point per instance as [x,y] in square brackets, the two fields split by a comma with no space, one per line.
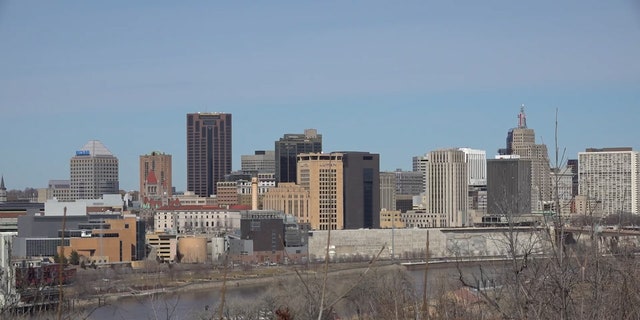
[3,191]
[522,118]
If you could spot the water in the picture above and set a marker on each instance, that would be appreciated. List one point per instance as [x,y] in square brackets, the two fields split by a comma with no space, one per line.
[182,305]
[196,304]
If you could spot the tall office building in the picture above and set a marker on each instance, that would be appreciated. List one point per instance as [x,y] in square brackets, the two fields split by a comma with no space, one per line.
[94,172]
[208,151]
[160,164]
[388,191]
[361,178]
[289,147]
[420,165]
[508,186]
[476,166]
[260,162]
[322,175]
[611,176]
[447,192]
[521,141]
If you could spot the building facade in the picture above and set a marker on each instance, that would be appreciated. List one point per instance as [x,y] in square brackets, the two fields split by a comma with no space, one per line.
[58,189]
[388,191]
[208,151]
[260,162]
[410,182]
[227,194]
[476,166]
[94,172]
[114,240]
[289,147]
[289,198]
[420,165]
[165,245]
[561,189]
[191,199]
[196,220]
[421,218]
[573,164]
[391,219]
[160,164]
[610,175]
[322,175]
[447,192]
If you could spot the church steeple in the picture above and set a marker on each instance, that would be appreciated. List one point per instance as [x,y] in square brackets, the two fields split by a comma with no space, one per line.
[3,191]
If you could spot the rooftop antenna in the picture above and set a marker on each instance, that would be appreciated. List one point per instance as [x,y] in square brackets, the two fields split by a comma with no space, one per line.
[522,118]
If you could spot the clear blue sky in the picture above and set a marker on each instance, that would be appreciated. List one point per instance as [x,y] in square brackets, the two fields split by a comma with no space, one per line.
[396,78]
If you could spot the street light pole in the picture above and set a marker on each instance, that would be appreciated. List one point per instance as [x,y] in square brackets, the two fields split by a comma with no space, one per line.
[393,228]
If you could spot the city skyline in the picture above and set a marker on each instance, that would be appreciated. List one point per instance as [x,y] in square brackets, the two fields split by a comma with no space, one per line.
[395,80]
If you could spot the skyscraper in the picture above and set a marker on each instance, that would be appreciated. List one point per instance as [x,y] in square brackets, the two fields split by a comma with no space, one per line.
[160,164]
[289,147]
[94,172]
[508,186]
[447,192]
[361,178]
[610,176]
[420,165]
[477,166]
[322,175]
[208,151]
[521,141]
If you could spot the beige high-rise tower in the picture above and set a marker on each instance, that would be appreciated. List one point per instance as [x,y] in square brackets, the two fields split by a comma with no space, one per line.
[522,141]
[322,175]
[447,192]
[94,172]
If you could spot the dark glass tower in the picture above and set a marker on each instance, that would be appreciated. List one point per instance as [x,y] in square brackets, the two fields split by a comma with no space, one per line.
[508,186]
[361,178]
[289,147]
[208,151]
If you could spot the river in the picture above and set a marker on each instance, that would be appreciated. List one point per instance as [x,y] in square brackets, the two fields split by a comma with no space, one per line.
[196,304]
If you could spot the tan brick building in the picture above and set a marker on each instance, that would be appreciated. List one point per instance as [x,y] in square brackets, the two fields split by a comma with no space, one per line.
[322,175]
[115,244]
[289,198]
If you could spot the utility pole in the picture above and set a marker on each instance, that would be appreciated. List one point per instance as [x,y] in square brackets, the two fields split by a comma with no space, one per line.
[61,265]
[393,228]
[425,300]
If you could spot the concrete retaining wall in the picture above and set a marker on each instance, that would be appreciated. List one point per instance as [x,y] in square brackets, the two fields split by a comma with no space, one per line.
[411,243]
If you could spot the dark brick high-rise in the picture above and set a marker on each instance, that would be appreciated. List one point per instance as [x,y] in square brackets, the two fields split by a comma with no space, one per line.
[208,151]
